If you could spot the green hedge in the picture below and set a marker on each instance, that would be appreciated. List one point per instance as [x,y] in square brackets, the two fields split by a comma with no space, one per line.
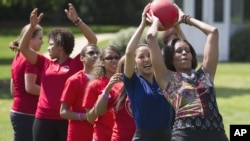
[123,36]
[240,46]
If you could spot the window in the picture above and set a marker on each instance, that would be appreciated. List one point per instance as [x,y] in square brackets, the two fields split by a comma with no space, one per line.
[198,9]
[218,10]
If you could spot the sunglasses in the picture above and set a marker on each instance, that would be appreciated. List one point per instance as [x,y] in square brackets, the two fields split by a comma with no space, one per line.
[112,58]
[91,53]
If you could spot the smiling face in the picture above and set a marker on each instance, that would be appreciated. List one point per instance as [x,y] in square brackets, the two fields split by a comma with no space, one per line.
[142,61]
[182,58]
[110,61]
[53,49]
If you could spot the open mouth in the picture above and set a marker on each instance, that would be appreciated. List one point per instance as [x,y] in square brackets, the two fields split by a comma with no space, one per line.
[147,66]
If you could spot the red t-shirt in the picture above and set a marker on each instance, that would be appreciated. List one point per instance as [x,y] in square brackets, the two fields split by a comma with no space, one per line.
[73,94]
[103,124]
[23,101]
[54,76]
[124,125]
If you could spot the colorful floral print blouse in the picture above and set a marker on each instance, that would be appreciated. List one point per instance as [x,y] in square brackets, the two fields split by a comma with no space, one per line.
[194,100]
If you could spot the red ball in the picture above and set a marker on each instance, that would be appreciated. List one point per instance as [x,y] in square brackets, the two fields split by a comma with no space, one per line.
[166,11]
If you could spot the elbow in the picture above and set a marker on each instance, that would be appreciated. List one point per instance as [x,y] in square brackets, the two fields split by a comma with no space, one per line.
[63,113]
[32,90]
[215,31]
[150,37]
[99,112]
[91,116]
[29,89]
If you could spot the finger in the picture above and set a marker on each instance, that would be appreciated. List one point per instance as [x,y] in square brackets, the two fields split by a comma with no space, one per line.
[40,16]
[66,11]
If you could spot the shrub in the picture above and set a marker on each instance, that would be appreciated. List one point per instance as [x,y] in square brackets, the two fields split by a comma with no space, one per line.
[123,36]
[240,46]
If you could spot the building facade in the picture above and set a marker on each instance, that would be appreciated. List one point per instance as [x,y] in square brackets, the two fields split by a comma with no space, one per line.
[226,15]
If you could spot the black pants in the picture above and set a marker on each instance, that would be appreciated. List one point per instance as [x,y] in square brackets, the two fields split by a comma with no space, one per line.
[50,130]
[22,126]
[198,135]
[152,135]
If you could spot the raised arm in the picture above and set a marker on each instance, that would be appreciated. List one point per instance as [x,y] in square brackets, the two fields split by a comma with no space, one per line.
[29,54]
[211,51]
[160,70]
[177,26]
[129,66]
[87,32]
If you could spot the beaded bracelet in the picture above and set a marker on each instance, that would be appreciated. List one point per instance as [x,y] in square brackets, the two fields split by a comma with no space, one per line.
[185,19]
[79,116]
[105,95]
[77,21]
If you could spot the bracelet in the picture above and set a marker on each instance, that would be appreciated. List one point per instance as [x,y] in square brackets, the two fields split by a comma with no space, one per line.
[79,116]
[77,21]
[105,95]
[185,19]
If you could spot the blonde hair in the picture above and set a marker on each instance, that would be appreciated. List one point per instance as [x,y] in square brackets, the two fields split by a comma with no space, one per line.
[13,45]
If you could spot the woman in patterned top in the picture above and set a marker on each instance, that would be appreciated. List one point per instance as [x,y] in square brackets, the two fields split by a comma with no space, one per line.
[190,91]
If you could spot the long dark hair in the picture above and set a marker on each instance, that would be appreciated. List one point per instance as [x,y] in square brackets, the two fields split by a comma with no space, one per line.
[122,97]
[169,50]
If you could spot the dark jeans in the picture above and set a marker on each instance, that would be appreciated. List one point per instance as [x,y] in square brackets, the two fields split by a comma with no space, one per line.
[198,135]
[152,135]
[22,126]
[50,130]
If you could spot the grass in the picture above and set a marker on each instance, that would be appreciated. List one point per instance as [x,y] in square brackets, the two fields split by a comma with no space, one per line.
[6,133]
[232,84]
[233,93]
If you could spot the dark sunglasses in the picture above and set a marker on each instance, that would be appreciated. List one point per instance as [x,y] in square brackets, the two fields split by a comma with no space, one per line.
[112,58]
[93,52]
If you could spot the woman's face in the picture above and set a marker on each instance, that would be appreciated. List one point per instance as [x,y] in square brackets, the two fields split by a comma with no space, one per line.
[37,41]
[143,61]
[111,59]
[54,50]
[90,56]
[182,57]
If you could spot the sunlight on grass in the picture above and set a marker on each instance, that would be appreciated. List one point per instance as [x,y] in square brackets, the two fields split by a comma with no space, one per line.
[235,110]
[233,93]
[5,128]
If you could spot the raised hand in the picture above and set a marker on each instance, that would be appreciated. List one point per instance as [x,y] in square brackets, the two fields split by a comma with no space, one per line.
[180,13]
[152,18]
[34,18]
[144,15]
[71,13]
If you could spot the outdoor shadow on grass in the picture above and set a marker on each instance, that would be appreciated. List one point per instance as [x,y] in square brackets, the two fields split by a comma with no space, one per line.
[5,89]
[226,92]
[223,92]
[6,61]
